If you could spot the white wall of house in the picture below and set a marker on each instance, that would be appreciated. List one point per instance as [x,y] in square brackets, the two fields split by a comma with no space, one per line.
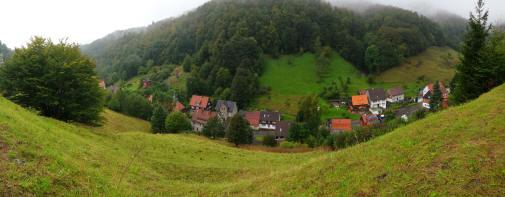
[267,126]
[377,104]
[395,99]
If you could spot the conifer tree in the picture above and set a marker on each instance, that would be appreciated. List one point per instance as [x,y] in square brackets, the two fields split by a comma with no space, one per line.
[239,131]
[471,75]
[436,98]
[158,120]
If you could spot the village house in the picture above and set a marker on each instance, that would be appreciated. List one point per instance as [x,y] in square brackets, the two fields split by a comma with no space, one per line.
[146,82]
[395,95]
[179,107]
[200,118]
[362,92]
[226,109]
[199,102]
[370,119]
[269,119]
[338,125]
[253,118]
[281,131]
[359,102]
[102,84]
[376,98]
[427,91]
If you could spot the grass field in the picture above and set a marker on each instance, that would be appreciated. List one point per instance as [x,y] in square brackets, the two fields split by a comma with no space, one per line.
[457,152]
[436,63]
[292,77]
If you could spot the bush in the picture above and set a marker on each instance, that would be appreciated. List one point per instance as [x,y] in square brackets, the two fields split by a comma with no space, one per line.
[177,122]
[287,144]
[269,140]
[214,128]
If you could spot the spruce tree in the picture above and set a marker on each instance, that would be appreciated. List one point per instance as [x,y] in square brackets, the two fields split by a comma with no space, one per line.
[239,131]
[436,98]
[186,64]
[158,120]
[471,75]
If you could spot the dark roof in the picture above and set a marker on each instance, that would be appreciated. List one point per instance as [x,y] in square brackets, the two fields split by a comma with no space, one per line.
[282,128]
[229,104]
[395,91]
[377,94]
[273,116]
[242,112]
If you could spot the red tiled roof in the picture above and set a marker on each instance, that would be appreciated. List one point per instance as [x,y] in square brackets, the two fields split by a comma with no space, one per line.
[179,106]
[253,118]
[395,91]
[444,91]
[202,116]
[359,100]
[199,101]
[341,124]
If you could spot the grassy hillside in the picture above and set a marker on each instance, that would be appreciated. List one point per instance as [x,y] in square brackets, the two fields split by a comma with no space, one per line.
[291,77]
[45,156]
[456,152]
[436,63]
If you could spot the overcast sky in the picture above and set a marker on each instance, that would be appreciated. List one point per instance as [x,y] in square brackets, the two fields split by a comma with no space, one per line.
[84,21]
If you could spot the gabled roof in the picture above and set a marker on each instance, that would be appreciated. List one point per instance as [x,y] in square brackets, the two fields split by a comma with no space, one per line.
[202,116]
[273,116]
[362,92]
[444,91]
[341,124]
[359,100]
[395,91]
[199,101]
[253,118]
[377,94]
[179,106]
[230,105]
[282,128]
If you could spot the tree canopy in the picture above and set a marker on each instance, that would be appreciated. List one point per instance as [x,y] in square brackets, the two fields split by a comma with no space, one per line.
[55,79]
[239,131]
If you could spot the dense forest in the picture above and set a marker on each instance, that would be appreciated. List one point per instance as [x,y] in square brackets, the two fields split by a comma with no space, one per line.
[221,42]
[5,52]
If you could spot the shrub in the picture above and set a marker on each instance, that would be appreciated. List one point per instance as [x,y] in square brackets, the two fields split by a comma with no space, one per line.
[286,144]
[269,140]
[177,122]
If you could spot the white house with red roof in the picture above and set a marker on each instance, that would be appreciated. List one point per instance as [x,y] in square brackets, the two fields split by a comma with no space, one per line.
[200,102]
[427,91]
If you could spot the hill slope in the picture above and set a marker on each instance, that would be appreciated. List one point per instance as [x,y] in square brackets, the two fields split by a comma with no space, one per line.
[436,63]
[456,152]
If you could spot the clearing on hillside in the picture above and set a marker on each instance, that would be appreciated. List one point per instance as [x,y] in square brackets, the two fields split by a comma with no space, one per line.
[436,63]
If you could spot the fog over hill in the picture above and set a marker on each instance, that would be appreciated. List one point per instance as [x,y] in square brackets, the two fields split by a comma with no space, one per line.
[431,8]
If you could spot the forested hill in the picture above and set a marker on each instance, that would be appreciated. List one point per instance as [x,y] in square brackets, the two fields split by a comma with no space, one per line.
[222,35]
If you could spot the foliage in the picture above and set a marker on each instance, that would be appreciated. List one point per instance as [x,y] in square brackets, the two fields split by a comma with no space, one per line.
[186,64]
[158,120]
[297,132]
[481,67]
[214,128]
[239,131]
[243,87]
[5,52]
[269,140]
[309,113]
[436,98]
[54,79]
[286,144]
[130,103]
[177,122]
